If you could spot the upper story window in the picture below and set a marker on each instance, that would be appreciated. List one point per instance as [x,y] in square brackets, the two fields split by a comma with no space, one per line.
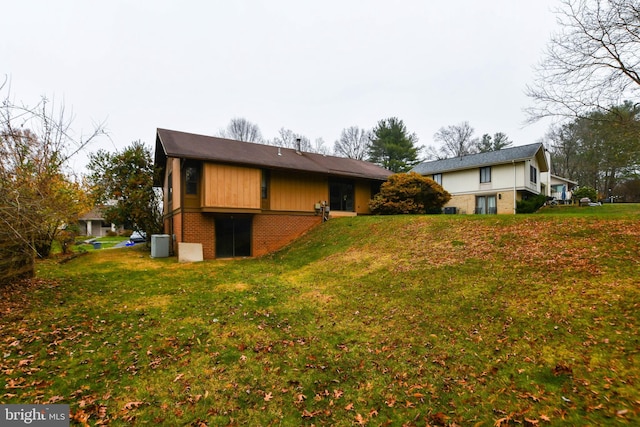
[264,184]
[485,174]
[533,172]
[191,180]
[437,177]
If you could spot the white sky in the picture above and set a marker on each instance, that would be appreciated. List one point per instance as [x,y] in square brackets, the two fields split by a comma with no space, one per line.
[312,67]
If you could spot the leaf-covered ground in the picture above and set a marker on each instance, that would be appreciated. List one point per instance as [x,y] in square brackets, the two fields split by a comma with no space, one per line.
[412,320]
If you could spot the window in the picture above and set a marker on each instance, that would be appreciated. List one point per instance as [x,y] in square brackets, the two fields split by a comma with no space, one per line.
[233,236]
[341,195]
[191,180]
[486,205]
[437,177]
[485,174]
[264,185]
[533,172]
[170,187]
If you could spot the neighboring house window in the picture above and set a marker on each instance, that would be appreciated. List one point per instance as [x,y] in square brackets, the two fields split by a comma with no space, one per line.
[191,180]
[437,177]
[533,172]
[486,205]
[485,174]
[170,187]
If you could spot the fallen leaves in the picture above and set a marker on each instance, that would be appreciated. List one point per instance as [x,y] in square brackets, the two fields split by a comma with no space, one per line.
[132,405]
[481,337]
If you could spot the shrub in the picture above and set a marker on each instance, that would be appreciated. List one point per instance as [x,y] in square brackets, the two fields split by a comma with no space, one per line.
[409,193]
[530,205]
[586,191]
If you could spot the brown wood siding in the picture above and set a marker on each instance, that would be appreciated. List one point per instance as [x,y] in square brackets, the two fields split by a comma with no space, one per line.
[173,169]
[363,195]
[225,186]
[296,192]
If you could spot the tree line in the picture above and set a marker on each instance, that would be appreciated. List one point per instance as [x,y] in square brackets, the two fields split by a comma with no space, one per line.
[389,143]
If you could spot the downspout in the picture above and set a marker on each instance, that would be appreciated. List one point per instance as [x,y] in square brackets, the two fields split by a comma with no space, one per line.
[181,201]
[514,187]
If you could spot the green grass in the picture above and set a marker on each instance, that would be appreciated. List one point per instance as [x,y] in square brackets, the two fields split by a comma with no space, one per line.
[106,242]
[406,320]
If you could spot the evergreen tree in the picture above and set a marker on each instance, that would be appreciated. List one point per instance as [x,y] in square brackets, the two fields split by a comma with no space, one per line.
[392,146]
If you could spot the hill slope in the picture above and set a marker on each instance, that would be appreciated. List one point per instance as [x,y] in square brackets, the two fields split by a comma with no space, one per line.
[441,320]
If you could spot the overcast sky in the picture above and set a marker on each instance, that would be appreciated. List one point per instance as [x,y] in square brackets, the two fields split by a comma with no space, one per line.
[312,67]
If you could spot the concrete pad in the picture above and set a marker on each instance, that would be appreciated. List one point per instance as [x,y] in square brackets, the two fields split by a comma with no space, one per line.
[190,252]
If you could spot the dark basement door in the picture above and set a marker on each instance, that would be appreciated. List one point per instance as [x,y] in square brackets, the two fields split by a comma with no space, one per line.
[233,236]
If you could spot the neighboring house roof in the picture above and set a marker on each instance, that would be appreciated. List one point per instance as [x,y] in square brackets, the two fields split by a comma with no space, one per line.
[94,214]
[562,179]
[177,144]
[506,155]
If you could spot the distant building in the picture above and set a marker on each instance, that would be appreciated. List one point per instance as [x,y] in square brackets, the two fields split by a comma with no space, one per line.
[491,182]
[93,224]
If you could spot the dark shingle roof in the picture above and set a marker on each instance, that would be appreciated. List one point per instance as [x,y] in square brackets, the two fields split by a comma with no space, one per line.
[177,144]
[506,155]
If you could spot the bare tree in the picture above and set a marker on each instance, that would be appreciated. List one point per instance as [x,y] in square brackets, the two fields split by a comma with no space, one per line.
[37,194]
[592,63]
[242,129]
[353,143]
[289,139]
[319,147]
[456,141]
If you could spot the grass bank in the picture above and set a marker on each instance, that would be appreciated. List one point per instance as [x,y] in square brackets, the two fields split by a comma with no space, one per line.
[407,320]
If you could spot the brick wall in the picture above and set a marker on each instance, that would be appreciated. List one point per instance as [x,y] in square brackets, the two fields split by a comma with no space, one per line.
[505,202]
[466,203]
[269,233]
[272,232]
[200,228]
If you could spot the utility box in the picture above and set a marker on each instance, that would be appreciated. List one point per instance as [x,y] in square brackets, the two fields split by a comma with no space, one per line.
[160,245]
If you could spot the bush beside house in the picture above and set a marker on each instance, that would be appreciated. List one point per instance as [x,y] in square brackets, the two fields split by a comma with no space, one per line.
[409,193]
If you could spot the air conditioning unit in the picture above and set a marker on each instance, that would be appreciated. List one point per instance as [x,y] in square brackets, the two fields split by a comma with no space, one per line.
[450,210]
[160,245]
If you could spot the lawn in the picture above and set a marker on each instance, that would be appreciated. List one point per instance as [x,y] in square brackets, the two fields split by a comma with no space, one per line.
[407,320]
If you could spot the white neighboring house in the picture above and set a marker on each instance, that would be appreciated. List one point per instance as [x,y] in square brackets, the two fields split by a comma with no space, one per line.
[491,182]
[561,189]
[93,224]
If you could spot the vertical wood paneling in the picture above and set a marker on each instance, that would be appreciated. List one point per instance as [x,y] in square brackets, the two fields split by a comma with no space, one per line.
[297,192]
[362,197]
[231,187]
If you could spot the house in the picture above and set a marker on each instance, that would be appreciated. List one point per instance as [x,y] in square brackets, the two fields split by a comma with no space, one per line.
[561,189]
[93,224]
[491,182]
[245,199]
